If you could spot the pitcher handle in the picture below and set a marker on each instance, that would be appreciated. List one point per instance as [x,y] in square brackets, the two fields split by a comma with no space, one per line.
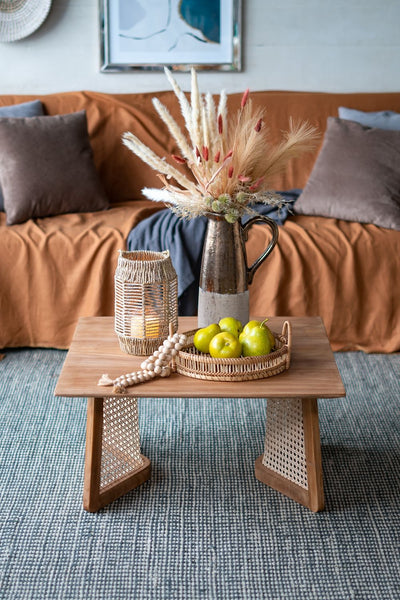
[275,233]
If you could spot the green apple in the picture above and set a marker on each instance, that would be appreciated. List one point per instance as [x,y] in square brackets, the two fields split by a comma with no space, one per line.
[203,337]
[255,341]
[232,325]
[254,323]
[225,345]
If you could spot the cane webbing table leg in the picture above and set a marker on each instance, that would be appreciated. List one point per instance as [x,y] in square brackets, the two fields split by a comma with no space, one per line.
[291,462]
[113,463]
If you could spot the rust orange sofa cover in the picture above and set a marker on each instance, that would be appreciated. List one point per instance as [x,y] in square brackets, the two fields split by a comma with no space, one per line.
[56,269]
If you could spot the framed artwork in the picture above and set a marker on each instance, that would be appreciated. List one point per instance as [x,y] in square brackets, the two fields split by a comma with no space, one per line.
[151,34]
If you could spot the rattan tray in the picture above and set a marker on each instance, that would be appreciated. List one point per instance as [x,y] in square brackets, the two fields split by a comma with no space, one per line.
[192,363]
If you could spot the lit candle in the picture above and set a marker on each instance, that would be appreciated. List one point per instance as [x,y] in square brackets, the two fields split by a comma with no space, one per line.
[137,329]
[149,327]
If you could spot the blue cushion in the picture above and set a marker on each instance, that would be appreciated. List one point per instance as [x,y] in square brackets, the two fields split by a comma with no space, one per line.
[384,119]
[26,109]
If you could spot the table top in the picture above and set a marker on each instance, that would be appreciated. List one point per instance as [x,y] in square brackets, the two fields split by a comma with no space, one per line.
[95,350]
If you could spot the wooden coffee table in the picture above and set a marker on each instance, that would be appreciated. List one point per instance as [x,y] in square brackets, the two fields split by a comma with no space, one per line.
[291,462]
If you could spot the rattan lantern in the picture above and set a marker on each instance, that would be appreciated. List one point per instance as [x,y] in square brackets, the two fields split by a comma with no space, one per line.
[146,300]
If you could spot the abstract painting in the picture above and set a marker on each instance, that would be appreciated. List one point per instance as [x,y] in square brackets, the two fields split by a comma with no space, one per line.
[148,34]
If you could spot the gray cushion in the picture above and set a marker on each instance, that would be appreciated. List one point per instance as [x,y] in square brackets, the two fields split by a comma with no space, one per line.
[47,167]
[356,176]
[26,109]
[383,119]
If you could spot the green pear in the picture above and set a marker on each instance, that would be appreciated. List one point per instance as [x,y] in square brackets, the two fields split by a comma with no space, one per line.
[255,340]
[203,337]
[254,323]
[231,325]
[225,345]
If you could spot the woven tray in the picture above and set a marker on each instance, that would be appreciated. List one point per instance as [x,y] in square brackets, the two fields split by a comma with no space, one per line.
[192,363]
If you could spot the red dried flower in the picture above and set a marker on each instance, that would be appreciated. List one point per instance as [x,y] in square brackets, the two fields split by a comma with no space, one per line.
[256,184]
[220,125]
[228,155]
[245,98]
[179,159]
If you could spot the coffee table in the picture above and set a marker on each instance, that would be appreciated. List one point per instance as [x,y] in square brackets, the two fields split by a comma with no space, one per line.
[291,461]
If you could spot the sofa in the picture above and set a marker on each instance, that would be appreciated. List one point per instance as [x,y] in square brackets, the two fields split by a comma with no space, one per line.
[57,268]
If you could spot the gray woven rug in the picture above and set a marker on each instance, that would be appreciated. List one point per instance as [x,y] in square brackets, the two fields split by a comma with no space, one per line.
[203,527]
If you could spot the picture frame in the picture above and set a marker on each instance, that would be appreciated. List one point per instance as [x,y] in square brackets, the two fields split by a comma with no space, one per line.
[181,34]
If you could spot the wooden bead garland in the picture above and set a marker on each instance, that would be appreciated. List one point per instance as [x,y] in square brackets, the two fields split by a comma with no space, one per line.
[156,365]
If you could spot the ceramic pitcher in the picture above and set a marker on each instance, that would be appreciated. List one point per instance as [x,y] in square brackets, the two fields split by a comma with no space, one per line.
[225,275]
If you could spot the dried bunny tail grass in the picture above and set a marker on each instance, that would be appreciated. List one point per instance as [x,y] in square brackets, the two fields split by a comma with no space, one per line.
[157,195]
[204,126]
[183,102]
[195,99]
[206,151]
[222,107]
[211,120]
[173,83]
[174,129]
[155,162]
[222,122]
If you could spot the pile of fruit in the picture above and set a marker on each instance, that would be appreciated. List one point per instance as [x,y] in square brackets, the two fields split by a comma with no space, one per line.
[228,339]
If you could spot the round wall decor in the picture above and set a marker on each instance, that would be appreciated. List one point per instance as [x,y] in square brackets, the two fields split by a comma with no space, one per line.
[20,18]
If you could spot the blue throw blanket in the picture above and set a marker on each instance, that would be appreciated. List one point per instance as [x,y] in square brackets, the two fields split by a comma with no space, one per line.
[184,240]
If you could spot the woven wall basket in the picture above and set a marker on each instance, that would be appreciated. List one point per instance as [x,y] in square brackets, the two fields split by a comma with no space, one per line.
[193,363]
[146,300]
[20,18]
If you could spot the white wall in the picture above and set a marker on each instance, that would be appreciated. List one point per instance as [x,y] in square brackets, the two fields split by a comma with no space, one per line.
[317,45]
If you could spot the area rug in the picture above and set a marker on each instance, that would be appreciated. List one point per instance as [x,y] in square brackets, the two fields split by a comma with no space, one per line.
[203,526]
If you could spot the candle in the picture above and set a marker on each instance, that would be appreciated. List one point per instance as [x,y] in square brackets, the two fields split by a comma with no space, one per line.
[145,326]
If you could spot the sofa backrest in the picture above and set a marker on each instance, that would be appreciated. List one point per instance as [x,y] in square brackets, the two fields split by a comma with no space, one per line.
[124,175]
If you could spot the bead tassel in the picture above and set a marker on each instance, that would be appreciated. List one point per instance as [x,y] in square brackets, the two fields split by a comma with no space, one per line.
[158,364]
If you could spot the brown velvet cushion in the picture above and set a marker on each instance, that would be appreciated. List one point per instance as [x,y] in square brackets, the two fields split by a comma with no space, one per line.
[356,176]
[47,167]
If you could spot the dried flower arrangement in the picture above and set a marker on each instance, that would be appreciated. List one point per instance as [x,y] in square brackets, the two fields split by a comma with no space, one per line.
[231,161]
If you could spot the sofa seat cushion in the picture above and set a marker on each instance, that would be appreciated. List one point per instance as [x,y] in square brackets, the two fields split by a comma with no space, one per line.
[56,269]
[344,271]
